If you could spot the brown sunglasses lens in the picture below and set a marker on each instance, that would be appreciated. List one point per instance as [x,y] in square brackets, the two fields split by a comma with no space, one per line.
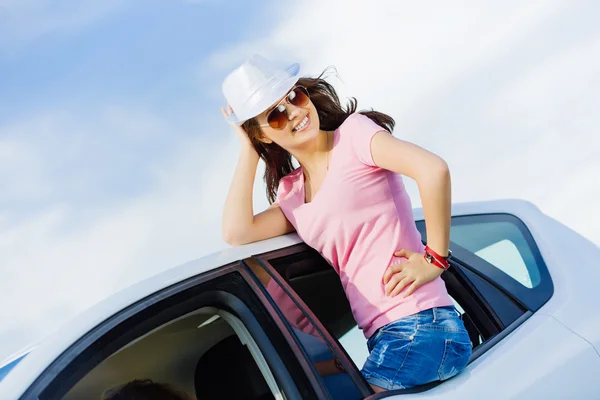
[298,97]
[278,118]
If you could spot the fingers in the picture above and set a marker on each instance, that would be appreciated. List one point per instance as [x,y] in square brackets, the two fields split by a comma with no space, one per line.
[415,285]
[226,112]
[392,269]
[404,253]
[393,281]
[401,285]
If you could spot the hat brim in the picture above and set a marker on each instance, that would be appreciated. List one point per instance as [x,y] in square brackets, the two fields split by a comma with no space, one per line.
[277,93]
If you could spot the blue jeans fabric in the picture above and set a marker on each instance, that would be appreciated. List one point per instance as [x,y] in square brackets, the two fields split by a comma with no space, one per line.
[421,348]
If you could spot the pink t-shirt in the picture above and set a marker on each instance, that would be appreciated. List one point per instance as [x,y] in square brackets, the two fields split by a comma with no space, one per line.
[357,220]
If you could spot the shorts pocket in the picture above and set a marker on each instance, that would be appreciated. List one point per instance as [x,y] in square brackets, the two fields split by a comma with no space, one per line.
[385,365]
[455,358]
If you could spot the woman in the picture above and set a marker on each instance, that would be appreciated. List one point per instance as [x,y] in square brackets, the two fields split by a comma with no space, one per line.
[347,200]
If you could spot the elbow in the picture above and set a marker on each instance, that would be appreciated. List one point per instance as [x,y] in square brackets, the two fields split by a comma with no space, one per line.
[442,175]
[230,238]
[442,170]
[233,238]
[437,173]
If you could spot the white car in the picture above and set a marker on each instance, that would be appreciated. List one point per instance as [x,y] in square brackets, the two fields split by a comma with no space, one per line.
[253,322]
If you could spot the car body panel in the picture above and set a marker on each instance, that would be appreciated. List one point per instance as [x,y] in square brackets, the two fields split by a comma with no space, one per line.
[566,314]
[578,274]
[541,359]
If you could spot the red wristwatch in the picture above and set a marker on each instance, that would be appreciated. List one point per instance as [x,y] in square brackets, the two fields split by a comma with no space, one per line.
[434,258]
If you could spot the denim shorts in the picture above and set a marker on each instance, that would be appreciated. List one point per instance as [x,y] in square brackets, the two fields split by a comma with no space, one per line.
[421,348]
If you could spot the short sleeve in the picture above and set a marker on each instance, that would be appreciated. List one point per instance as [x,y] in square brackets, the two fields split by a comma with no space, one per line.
[285,188]
[288,197]
[360,129]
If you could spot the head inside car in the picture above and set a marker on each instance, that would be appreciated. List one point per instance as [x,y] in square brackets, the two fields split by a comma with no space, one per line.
[145,389]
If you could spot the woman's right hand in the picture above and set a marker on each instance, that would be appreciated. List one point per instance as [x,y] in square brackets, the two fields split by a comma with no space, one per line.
[239,130]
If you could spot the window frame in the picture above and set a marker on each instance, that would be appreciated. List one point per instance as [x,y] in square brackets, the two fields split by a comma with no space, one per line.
[336,348]
[531,298]
[284,326]
[124,326]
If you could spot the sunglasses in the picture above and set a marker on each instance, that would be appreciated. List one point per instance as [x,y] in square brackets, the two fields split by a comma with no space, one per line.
[278,116]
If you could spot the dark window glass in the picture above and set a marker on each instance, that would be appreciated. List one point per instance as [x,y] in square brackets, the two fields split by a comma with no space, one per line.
[339,384]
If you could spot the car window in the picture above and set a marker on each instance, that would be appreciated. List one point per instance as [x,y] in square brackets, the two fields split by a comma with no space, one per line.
[354,342]
[339,384]
[209,344]
[500,250]
[208,336]
[501,243]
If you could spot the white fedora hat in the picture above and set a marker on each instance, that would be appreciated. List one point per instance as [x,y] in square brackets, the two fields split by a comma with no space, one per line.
[255,85]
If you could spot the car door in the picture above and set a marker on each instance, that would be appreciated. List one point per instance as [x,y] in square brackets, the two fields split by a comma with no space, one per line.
[210,335]
[499,281]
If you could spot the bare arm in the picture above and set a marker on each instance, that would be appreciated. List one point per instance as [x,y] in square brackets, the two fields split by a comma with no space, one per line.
[239,224]
[433,179]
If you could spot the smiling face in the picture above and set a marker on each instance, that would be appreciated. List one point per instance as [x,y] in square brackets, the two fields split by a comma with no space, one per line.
[322,111]
[299,123]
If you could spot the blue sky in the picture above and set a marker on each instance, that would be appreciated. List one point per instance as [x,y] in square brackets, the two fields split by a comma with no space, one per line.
[145,60]
[115,161]
[96,103]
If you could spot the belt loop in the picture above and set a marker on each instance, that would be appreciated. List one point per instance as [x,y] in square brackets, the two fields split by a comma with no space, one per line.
[460,315]
[434,315]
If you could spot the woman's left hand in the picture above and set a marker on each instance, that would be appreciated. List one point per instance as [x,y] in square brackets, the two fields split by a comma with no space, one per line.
[415,271]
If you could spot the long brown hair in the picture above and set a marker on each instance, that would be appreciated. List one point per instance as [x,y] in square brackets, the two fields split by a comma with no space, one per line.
[331,113]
